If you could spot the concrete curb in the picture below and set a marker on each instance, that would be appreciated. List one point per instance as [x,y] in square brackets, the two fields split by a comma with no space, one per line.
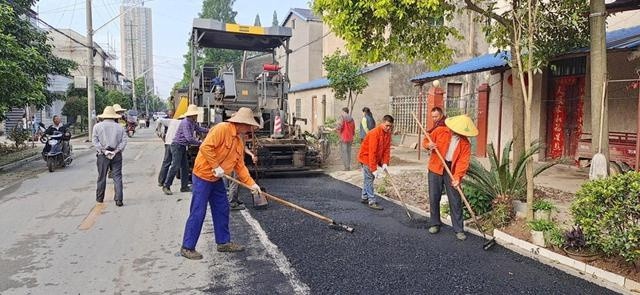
[569,265]
[566,264]
[20,162]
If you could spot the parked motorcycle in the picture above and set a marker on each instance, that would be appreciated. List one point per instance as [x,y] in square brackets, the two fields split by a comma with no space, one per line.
[57,152]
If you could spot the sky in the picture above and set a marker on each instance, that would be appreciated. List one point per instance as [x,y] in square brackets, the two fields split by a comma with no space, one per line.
[172,20]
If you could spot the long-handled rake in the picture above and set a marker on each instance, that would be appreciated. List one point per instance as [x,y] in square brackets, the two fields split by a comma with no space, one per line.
[332,224]
[491,242]
[406,209]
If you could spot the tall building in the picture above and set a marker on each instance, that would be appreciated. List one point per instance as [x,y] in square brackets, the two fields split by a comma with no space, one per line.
[136,42]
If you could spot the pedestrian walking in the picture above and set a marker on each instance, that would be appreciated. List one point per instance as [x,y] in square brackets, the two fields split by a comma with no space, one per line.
[375,151]
[169,127]
[109,140]
[221,152]
[367,123]
[346,129]
[453,143]
[122,120]
[181,141]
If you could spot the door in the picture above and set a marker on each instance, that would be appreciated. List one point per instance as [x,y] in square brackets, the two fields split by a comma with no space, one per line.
[566,115]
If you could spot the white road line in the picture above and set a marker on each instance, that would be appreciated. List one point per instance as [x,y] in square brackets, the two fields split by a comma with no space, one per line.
[281,261]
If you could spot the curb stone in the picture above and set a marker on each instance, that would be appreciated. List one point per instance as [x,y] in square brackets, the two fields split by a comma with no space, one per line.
[20,162]
[569,265]
[614,282]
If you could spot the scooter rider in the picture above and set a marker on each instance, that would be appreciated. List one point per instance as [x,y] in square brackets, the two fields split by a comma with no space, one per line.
[59,127]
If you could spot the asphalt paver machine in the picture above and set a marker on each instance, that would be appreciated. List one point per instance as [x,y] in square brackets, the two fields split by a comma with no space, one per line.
[220,92]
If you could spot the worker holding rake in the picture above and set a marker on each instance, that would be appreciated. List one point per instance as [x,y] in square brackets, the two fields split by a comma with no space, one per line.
[452,142]
[375,151]
[221,152]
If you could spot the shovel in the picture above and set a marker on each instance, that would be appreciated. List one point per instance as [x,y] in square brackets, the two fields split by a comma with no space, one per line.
[486,245]
[332,224]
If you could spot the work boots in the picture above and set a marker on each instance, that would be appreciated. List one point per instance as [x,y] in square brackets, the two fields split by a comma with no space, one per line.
[230,247]
[190,254]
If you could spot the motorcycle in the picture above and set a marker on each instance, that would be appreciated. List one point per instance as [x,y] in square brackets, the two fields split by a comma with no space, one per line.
[131,128]
[59,149]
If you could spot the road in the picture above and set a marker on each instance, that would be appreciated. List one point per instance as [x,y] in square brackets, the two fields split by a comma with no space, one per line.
[56,241]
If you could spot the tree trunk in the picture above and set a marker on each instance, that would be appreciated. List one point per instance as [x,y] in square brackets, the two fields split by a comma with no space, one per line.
[517,103]
[598,68]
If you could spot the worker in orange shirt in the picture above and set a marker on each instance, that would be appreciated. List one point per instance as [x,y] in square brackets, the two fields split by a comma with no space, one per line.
[221,152]
[375,151]
[453,143]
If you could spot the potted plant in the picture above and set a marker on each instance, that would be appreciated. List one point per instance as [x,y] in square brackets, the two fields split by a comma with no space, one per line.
[542,210]
[538,227]
[575,245]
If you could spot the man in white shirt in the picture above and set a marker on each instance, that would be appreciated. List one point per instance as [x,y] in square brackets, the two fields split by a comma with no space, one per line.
[109,140]
[171,126]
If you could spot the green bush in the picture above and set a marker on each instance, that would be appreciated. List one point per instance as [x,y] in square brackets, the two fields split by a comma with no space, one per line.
[543,205]
[608,211]
[555,236]
[332,137]
[18,135]
[479,201]
[500,179]
[541,225]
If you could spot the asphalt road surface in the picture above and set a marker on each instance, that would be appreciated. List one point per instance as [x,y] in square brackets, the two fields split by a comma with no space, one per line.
[55,240]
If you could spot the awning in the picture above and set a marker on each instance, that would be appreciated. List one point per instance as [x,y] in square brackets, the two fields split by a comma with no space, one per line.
[618,40]
[487,62]
[324,82]
[210,33]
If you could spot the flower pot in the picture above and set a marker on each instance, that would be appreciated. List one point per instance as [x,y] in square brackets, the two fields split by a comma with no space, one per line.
[542,215]
[581,255]
[537,238]
[520,208]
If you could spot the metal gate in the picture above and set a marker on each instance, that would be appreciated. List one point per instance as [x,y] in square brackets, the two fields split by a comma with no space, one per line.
[403,106]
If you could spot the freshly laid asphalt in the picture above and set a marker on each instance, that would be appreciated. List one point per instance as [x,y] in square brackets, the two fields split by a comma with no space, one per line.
[389,255]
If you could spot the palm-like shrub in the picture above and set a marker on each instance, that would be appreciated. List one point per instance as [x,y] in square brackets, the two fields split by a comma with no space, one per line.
[501,179]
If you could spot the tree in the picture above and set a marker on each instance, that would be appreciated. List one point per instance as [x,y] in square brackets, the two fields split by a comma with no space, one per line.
[221,10]
[25,59]
[533,30]
[345,78]
[256,21]
[275,22]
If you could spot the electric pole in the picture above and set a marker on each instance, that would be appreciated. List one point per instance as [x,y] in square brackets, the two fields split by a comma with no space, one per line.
[598,57]
[90,91]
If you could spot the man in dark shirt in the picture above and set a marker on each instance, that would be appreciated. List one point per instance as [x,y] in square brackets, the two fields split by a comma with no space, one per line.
[184,137]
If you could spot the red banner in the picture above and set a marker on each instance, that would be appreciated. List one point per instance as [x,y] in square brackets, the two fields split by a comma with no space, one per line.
[559,116]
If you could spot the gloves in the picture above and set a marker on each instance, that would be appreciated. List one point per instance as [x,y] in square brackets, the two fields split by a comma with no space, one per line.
[385,168]
[109,154]
[255,189]
[218,172]
[378,173]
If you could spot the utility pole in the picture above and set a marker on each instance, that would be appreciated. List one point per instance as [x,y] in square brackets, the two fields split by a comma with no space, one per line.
[598,59]
[90,91]
[133,67]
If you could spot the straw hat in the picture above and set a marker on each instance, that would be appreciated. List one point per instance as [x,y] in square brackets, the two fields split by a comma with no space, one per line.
[192,110]
[118,108]
[462,125]
[244,116]
[109,113]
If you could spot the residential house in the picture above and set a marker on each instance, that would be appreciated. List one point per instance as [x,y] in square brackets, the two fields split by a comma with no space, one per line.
[305,59]
[561,105]
[314,100]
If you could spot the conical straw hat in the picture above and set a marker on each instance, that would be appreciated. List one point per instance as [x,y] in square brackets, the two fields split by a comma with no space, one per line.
[462,125]
[192,110]
[109,113]
[244,116]
[118,108]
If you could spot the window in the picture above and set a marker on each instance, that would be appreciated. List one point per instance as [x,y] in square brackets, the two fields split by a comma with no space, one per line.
[298,108]
[293,24]
[453,90]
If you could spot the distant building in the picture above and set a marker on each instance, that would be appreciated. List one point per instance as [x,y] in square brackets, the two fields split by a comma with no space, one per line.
[136,42]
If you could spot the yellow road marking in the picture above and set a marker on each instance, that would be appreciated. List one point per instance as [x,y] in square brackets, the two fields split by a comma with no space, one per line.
[139,155]
[96,211]
[90,220]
